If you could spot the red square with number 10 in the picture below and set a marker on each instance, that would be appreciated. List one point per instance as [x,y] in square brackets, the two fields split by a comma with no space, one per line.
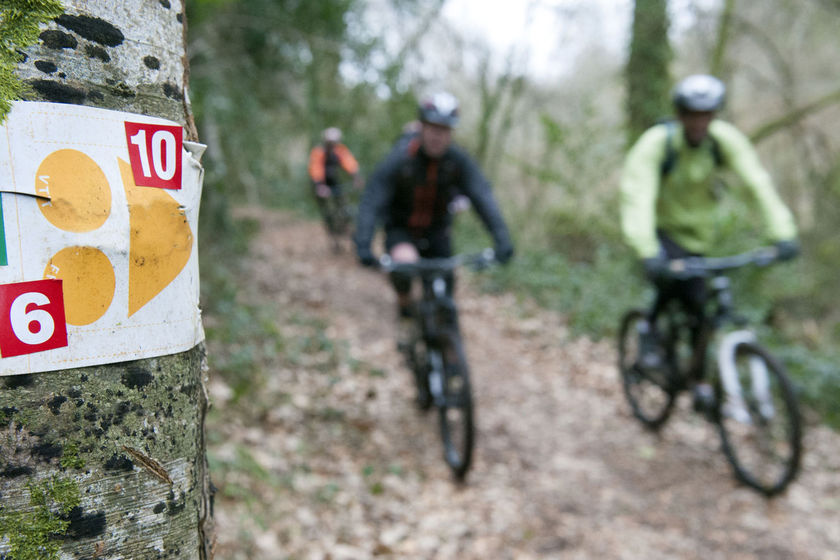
[31,317]
[155,154]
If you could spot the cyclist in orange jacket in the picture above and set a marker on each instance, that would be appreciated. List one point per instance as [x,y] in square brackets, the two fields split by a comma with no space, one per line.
[326,160]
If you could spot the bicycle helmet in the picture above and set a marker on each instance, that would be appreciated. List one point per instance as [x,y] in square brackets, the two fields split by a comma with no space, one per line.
[439,108]
[699,92]
[332,134]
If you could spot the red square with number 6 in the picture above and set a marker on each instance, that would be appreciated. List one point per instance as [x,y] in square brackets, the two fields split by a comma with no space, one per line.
[31,317]
[155,154]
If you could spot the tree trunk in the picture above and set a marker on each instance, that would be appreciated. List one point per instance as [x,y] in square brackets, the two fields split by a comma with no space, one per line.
[647,75]
[118,449]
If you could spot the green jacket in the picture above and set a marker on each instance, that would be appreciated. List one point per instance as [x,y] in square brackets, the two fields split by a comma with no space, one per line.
[683,204]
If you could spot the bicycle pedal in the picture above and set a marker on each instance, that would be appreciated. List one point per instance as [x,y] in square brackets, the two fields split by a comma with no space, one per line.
[703,399]
[736,412]
[423,400]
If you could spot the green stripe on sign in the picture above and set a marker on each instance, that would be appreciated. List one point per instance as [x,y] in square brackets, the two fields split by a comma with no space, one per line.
[3,260]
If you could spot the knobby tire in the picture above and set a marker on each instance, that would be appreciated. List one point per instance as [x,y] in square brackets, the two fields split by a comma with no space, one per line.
[649,394]
[456,408]
[418,362]
[765,452]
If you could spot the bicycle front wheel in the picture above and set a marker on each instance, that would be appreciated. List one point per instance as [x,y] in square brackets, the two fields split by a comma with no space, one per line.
[760,428]
[648,391]
[418,360]
[454,402]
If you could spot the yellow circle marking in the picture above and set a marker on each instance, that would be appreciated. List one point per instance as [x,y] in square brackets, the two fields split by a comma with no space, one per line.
[79,194]
[88,282]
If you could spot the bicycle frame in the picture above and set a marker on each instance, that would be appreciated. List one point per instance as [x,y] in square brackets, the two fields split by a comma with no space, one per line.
[720,303]
[436,310]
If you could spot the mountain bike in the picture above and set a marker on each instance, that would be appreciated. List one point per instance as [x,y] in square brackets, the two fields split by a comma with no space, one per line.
[754,407]
[434,352]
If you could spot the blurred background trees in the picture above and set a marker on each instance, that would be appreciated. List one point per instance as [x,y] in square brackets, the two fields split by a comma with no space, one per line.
[268,75]
[647,71]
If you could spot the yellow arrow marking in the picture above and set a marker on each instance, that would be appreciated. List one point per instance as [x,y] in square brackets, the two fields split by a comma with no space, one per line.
[161,240]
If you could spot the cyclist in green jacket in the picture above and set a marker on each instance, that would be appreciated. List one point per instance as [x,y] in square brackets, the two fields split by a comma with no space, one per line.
[669,203]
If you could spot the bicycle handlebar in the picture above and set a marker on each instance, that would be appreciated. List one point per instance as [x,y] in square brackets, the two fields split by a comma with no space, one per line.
[693,267]
[476,261]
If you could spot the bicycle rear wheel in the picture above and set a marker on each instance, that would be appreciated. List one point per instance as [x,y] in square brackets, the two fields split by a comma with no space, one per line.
[453,398]
[648,391]
[337,220]
[762,431]
[341,219]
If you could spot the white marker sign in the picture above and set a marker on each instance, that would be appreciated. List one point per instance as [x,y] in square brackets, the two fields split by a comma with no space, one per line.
[98,252]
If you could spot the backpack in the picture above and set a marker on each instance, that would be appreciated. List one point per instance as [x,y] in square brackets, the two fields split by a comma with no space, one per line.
[671,154]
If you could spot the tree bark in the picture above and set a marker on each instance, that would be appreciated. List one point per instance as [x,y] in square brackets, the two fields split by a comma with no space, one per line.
[127,437]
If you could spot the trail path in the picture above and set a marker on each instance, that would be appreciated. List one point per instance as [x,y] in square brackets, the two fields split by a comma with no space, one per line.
[347,468]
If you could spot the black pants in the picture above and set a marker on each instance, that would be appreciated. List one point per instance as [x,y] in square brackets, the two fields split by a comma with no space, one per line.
[430,244]
[336,199]
[691,293]
[692,296]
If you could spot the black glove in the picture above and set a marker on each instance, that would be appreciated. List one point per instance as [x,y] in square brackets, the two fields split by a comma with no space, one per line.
[656,268]
[503,252]
[366,257]
[787,249]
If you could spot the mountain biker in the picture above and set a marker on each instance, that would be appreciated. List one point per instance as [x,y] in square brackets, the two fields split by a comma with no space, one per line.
[326,160]
[410,192]
[668,200]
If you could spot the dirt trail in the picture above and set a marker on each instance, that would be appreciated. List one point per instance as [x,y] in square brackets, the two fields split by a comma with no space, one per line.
[351,470]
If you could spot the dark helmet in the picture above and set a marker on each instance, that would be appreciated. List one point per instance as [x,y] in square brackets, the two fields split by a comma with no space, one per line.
[699,92]
[439,108]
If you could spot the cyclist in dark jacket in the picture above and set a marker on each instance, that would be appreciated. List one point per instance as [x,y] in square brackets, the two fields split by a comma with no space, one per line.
[411,190]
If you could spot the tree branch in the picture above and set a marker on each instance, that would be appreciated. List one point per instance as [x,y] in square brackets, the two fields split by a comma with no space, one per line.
[794,116]
[724,27]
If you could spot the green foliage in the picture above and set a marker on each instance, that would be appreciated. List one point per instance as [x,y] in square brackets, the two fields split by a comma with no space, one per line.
[70,458]
[248,332]
[19,28]
[590,294]
[32,534]
[816,377]
[266,79]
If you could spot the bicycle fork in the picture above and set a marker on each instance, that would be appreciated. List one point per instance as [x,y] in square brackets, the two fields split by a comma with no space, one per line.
[443,315]
[735,406]
[436,378]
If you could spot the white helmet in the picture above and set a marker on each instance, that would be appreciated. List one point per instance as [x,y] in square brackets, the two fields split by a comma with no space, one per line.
[699,92]
[332,134]
[439,108]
